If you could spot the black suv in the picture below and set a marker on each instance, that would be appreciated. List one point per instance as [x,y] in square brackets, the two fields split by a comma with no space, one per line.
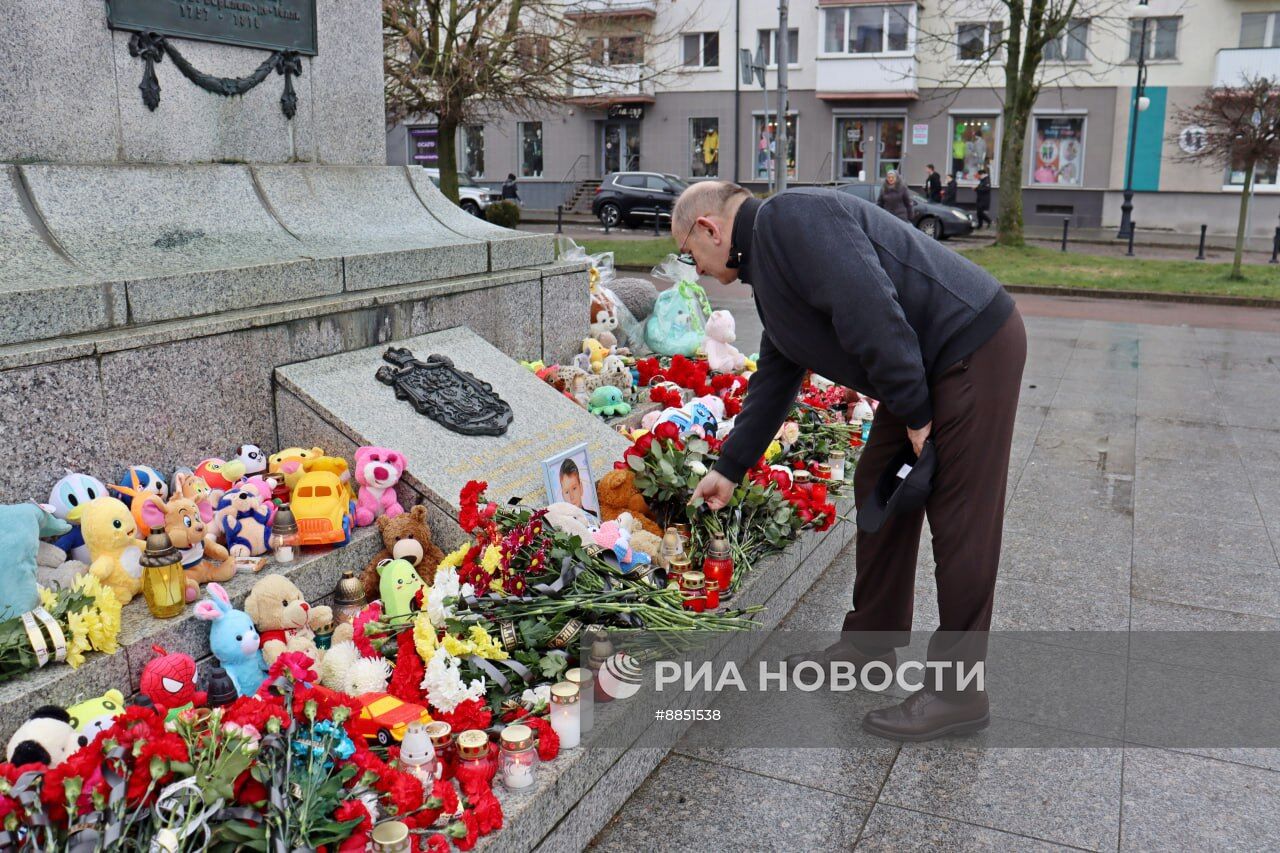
[633,196]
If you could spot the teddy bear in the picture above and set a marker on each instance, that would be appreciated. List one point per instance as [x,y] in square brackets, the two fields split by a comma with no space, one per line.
[21,528]
[618,494]
[378,469]
[114,549]
[641,540]
[722,355]
[285,622]
[404,537]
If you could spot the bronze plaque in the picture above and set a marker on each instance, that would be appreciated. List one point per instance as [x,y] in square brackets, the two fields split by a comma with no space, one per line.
[269,24]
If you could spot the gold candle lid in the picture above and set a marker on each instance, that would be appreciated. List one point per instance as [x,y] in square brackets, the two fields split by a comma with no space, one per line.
[692,580]
[564,693]
[440,732]
[517,737]
[711,585]
[578,675]
[349,591]
[389,833]
[801,476]
[680,565]
[473,743]
[160,551]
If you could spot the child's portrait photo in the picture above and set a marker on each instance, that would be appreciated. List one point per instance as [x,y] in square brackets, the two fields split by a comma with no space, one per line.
[568,479]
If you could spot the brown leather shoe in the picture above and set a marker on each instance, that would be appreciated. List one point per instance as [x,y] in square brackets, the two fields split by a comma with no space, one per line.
[925,715]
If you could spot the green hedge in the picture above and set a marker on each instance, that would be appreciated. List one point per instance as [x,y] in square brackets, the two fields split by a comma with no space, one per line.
[504,213]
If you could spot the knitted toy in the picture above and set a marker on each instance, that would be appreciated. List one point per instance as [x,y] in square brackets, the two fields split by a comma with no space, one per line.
[21,528]
[616,536]
[722,355]
[377,471]
[111,534]
[233,640]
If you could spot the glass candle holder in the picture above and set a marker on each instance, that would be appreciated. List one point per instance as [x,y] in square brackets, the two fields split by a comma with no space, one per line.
[164,584]
[585,681]
[475,766]
[441,734]
[838,460]
[712,590]
[566,713]
[518,762]
[692,588]
[717,565]
[284,536]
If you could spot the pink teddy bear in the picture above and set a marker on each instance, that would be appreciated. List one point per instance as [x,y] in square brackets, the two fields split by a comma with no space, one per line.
[377,471]
[722,355]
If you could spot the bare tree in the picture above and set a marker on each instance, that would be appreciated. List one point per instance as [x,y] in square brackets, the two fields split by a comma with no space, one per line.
[1016,53]
[465,60]
[1237,128]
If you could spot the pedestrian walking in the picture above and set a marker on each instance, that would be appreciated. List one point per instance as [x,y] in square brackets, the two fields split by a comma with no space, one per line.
[895,315]
[932,184]
[895,197]
[950,192]
[510,192]
[983,192]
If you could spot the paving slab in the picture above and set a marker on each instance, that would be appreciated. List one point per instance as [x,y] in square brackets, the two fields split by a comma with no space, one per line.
[891,829]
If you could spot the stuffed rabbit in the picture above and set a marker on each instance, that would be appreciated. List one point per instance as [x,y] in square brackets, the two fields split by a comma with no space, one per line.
[234,640]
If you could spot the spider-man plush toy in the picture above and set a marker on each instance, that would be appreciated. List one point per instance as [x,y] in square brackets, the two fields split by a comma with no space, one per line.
[169,681]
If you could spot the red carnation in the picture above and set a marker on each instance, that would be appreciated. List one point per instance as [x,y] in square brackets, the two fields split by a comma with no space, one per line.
[406,681]
[488,812]
[465,832]
[471,714]
[548,740]
[359,838]
[443,791]
[437,843]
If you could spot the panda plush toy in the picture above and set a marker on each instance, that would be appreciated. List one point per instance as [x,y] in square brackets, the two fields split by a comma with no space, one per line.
[47,737]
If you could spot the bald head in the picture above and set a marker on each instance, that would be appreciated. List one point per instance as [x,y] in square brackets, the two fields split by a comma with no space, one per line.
[705,198]
[702,224]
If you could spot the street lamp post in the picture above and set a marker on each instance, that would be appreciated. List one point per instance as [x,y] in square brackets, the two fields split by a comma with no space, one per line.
[1140,103]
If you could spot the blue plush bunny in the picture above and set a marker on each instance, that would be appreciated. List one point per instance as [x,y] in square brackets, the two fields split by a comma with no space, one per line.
[234,640]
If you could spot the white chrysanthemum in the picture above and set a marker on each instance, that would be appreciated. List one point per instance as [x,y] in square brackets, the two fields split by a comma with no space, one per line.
[444,685]
[540,695]
[445,586]
[337,661]
[368,675]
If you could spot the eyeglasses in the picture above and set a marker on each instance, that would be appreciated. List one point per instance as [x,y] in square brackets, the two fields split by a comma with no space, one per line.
[684,256]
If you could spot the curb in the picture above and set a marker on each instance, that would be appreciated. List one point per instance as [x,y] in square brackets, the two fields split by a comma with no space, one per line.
[1088,293]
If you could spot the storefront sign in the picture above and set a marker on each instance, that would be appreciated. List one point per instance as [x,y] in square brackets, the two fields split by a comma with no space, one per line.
[919,134]
[424,146]
[631,111]
[1193,139]
[288,25]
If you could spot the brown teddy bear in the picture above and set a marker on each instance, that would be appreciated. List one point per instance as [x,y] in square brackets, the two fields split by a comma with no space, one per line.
[618,494]
[285,622]
[405,537]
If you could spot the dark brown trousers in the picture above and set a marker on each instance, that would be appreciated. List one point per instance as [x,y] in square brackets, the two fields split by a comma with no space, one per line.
[974,404]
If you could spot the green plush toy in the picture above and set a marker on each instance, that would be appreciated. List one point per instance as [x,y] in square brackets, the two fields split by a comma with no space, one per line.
[398,587]
[607,400]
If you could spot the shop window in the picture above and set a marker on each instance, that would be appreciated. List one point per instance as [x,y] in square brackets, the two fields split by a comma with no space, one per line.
[704,147]
[974,146]
[1162,38]
[473,150]
[858,30]
[530,133]
[765,147]
[1059,151]
[701,50]
[1072,45]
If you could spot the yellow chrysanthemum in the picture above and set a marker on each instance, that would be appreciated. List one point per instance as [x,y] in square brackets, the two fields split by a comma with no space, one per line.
[424,637]
[492,558]
[485,645]
[47,598]
[104,628]
[78,642]
[458,647]
[772,451]
[454,559]
[495,586]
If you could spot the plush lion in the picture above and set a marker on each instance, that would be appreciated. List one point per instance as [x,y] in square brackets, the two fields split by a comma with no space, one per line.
[618,494]
[405,537]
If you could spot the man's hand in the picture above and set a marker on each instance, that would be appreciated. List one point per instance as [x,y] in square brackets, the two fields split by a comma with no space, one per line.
[716,489]
[918,436]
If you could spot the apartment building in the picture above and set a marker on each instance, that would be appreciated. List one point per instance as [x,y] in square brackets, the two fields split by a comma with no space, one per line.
[884,85]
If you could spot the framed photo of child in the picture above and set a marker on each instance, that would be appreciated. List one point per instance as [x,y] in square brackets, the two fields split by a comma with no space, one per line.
[568,478]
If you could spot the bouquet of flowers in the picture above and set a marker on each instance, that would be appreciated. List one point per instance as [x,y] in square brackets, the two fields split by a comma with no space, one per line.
[83,618]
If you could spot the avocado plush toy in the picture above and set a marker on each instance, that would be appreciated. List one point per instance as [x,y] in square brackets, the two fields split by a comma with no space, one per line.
[22,526]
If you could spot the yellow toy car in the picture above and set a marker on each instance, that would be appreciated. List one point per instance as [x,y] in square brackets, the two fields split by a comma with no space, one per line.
[322,509]
[385,718]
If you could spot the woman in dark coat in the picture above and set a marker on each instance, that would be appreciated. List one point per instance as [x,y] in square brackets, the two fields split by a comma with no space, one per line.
[895,197]
[950,191]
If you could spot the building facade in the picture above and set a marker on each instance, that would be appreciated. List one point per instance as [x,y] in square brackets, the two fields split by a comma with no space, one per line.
[875,86]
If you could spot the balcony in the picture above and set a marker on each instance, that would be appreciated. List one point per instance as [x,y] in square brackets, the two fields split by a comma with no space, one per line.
[600,85]
[1236,63]
[586,10]
[871,78]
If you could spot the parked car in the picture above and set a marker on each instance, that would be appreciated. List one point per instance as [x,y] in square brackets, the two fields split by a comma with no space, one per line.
[938,220]
[472,197]
[629,197]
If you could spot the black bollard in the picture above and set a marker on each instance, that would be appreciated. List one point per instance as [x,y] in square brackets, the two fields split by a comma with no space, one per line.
[1133,226]
[656,219]
[1066,224]
[1275,247]
[606,225]
[1203,229]
[559,218]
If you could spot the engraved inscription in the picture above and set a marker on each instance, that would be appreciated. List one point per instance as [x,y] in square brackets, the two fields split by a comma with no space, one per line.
[270,24]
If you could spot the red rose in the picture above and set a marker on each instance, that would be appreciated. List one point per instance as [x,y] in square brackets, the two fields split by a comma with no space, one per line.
[249,791]
[666,431]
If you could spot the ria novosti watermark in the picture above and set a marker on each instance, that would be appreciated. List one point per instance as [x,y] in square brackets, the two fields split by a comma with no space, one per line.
[810,676]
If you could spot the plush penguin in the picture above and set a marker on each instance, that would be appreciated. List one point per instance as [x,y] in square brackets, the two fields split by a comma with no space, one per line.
[47,738]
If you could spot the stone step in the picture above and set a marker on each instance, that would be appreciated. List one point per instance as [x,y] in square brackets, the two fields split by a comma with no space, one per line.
[86,248]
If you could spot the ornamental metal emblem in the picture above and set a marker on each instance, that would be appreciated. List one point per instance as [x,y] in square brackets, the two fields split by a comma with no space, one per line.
[451,397]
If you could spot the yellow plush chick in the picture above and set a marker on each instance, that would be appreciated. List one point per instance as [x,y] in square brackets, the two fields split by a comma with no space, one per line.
[109,532]
[750,366]
[597,351]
